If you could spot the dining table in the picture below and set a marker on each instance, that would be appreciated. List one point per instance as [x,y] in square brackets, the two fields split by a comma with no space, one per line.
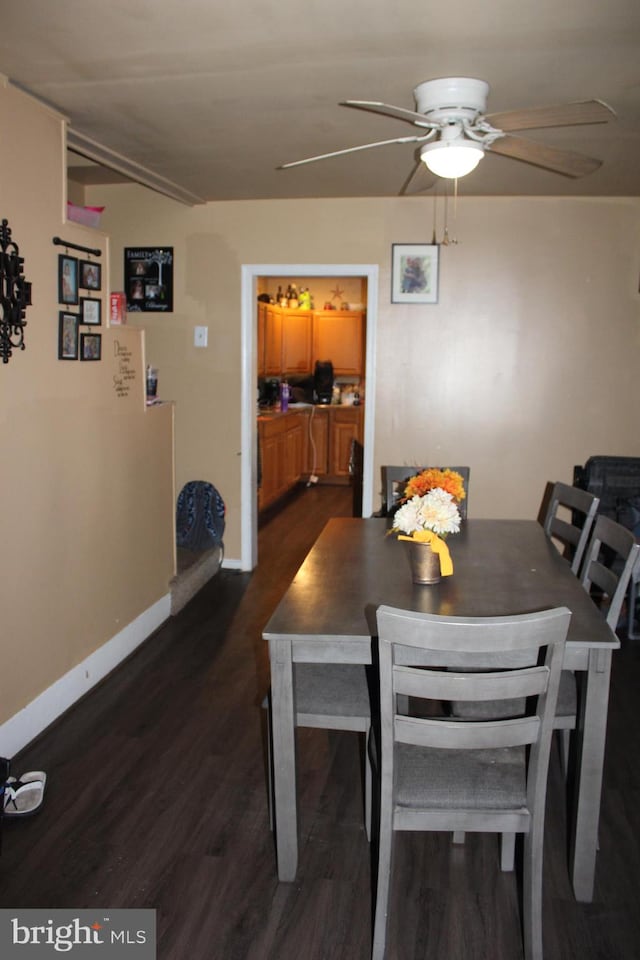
[501,567]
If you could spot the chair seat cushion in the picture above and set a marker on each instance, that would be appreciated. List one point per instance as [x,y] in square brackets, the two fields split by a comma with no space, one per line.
[332,689]
[492,779]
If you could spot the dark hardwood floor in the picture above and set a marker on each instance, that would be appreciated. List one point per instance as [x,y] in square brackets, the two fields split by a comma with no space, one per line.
[156,797]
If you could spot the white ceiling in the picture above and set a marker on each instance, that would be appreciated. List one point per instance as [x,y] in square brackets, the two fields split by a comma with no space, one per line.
[214,96]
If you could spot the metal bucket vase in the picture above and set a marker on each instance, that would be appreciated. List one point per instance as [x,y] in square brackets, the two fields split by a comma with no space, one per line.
[424,563]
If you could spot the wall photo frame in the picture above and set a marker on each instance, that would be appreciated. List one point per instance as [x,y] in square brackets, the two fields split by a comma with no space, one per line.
[90,275]
[414,272]
[90,346]
[67,335]
[90,311]
[67,279]
[148,279]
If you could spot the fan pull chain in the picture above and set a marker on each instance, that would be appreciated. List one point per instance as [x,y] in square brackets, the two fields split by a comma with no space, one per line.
[445,236]
[455,210]
[434,240]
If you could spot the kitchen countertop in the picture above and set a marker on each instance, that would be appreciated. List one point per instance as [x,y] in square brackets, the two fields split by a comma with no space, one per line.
[272,413]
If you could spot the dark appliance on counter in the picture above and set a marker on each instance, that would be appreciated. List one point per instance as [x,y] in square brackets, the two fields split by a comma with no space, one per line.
[301,388]
[268,392]
[323,381]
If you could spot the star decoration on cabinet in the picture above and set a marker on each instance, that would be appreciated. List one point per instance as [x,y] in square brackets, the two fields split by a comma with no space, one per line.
[338,293]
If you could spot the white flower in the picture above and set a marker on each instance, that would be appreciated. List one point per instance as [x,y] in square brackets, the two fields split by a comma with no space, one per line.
[407,517]
[436,511]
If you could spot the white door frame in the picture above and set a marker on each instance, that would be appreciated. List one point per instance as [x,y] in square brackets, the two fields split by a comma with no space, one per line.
[249,464]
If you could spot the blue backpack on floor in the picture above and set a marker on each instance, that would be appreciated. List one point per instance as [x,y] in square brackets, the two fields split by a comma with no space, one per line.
[200,513]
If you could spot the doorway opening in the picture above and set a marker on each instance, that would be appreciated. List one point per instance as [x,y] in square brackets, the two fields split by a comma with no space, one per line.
[252,274]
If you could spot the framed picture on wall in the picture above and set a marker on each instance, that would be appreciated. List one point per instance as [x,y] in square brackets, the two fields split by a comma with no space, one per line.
[414,273]
[90,275]
[67,336]
[90,311]
[148,279]
[67,279]
[90,346]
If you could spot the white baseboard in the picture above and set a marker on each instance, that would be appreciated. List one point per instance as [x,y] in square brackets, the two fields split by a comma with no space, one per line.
[32,720]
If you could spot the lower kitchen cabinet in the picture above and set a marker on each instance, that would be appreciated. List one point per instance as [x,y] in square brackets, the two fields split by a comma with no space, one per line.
[281,440]
[297,445]
[332,430]
[316,442]
[346,426]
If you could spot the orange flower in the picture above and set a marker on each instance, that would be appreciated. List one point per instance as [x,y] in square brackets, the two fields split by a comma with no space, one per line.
[448,480]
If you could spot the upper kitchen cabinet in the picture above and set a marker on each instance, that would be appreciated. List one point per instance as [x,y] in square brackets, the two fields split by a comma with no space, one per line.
[284,341]
[296,341]
[338,335]
[262,320]
[273,342]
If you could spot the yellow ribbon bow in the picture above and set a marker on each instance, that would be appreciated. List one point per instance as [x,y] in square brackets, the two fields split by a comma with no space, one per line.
[437,545]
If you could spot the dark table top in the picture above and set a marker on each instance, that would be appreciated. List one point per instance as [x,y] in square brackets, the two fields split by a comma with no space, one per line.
[501,567]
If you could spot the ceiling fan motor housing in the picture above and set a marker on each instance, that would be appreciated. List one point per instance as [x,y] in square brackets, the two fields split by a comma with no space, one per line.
[458,98]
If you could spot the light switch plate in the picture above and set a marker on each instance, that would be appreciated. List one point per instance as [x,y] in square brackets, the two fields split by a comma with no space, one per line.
[200,336]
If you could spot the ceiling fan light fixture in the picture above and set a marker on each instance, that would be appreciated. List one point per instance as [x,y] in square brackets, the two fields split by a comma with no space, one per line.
[452,159]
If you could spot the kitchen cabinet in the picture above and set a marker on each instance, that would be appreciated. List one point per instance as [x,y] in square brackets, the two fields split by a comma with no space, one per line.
[296,341]
[262,320]
[332,430]
[298,444]
[284,341]
[293,449]
[316,442]
[281,439]
[338,335]
[346,426]
[273,342]
[290,341]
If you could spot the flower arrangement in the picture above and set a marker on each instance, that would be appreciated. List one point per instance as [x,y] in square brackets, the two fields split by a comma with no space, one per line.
[435,479]
[428,511]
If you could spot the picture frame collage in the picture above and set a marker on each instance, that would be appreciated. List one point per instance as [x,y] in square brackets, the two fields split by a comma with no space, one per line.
[76,277]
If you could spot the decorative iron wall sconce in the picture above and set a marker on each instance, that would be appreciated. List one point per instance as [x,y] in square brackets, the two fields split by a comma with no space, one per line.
[15,295]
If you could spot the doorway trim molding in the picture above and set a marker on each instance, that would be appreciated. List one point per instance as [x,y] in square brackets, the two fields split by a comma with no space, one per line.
[249,431]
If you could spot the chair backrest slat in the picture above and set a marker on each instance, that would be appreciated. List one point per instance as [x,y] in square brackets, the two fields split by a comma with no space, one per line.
[609,563]
[459,735]
[440,685]
[573,533]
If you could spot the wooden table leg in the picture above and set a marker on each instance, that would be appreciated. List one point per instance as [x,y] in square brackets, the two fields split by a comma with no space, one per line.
[591,732]
[284,759]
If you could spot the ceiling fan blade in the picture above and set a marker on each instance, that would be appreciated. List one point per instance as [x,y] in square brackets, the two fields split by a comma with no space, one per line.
[339,153]
[389,111]
[562,115]
[419,180]
[550,158]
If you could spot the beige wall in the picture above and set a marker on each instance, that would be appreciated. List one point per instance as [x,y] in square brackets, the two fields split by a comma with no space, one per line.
[527,365]
[86,482]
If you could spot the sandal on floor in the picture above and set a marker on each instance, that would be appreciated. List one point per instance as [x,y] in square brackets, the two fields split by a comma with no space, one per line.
[24,796]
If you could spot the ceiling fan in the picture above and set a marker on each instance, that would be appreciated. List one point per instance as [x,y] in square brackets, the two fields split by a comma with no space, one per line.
[458,132]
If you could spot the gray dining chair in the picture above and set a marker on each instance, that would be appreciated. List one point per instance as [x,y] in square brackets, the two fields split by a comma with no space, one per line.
[394,479]
[329,696]
[609,563]
[457,775]
[572,533]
